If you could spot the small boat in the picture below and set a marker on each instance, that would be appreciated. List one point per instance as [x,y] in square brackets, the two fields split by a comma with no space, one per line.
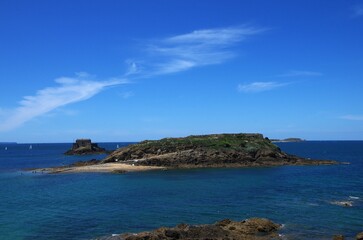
[30,147]
[117,146]
[6,148]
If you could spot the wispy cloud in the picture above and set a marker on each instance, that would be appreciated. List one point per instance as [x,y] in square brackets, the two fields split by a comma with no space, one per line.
[163,56]
[352,117]
[255,87]
[133,67]
[295,73]
[198,48]
[69,90]
[358,11]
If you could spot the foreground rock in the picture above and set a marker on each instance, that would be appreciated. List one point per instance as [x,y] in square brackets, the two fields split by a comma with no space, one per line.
[217,150]
[359,236]
[250,229]
[85,146]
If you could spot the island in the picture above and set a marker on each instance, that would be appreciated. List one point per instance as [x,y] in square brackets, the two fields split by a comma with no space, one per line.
[196,151]
[249,229]
[288,140]
[85,146]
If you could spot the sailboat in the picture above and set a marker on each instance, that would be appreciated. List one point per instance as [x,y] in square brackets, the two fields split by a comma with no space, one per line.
[30,147]
[6,148]
[117,146]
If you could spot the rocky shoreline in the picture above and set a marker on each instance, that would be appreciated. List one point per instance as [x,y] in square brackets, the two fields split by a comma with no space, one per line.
[202,151]
[216,150]
[249,229]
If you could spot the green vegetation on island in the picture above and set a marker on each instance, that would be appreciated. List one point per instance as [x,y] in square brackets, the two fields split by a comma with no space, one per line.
[215,150]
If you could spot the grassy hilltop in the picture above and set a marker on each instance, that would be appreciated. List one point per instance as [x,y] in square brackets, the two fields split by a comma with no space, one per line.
[215,150]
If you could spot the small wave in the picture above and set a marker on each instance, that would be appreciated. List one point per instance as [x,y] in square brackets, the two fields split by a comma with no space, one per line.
[343,203]
[313,204]
[352,197]
[282,236]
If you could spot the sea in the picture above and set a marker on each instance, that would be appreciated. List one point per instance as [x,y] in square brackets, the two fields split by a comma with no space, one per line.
[92,205]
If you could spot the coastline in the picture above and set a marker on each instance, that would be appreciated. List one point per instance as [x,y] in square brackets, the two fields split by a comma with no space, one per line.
[99,168]
[128,167]
[240,150]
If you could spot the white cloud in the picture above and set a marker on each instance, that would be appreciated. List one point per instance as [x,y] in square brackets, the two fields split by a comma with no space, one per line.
[352,117]
[133,67]
[173,66]
[164,56]
[217,36]
[300,74]
[69,90]
[259,86]
[198,48]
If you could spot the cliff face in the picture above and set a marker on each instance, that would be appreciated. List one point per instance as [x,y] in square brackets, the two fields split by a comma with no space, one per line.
[208,151]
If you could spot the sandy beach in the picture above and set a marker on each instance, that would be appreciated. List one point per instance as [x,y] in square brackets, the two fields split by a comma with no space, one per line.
[99,168]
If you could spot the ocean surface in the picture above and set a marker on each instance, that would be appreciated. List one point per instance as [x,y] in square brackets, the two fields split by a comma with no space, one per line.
[91,205]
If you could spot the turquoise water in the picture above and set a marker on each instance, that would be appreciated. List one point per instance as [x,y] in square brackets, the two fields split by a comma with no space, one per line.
[86,206]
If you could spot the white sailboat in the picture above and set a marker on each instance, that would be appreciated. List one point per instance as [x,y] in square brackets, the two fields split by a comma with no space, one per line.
[117,146]
[30,147]
[6,148]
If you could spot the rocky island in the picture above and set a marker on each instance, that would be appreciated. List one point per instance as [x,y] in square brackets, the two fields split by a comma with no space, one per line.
[199,151]
[250,229]
[216,150]
[85,146]
[288,140]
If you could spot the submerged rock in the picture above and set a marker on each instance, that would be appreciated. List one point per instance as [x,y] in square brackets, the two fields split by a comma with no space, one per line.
[216,150]
[338,237]
[359,236]
[343,203]
[85,146]
[254,228]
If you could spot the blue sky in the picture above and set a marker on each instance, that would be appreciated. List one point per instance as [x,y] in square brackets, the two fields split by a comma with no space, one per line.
[135,70]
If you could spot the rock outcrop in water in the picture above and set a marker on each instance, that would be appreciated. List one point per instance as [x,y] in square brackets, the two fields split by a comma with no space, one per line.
[250,229]
[85,146]
[216,150]
[359,236]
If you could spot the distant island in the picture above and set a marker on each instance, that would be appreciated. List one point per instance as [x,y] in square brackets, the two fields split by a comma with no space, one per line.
[288,140]
[85,146]
[200,151]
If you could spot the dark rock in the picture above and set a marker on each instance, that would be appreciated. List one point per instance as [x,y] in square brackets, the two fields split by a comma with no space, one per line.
[338,237]
[359,236]
[85,163]
[255,228]
[85,146]
[119,171]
